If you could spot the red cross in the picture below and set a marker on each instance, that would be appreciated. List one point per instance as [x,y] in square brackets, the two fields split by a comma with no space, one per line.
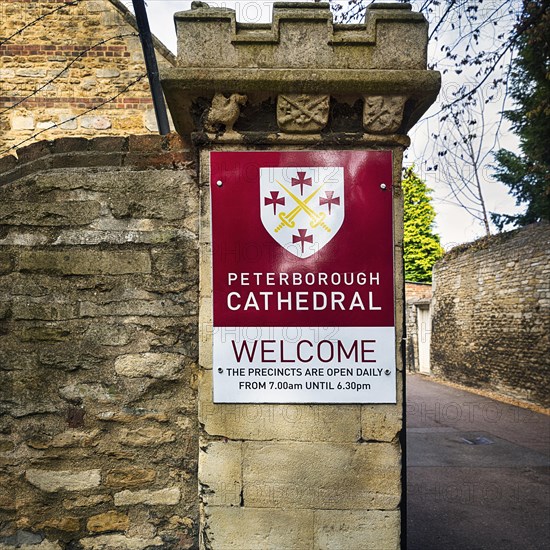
[301,180]
[302,238]
[274,200]
[329,200]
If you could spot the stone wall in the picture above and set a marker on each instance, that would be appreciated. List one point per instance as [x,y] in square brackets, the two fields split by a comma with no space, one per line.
[491,314]
[94,48]
[98,332]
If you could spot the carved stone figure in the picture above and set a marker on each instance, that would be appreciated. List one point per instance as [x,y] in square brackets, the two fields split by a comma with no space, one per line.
[302,113]
[197,5]
[225,111]
[383,114]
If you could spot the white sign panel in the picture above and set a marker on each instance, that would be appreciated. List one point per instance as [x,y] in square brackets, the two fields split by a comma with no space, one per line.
[303,364]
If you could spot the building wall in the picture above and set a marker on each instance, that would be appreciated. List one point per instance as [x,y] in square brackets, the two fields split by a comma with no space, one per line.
[98,340]
[72,69]
[491,314]
[418,291]
[416,295]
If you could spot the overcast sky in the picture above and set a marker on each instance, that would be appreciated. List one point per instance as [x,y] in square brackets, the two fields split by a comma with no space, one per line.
[453,224]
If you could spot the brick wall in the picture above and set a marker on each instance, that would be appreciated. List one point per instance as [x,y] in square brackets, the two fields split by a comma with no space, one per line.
[92,48]
[491,314]
[418,291]
[98,340]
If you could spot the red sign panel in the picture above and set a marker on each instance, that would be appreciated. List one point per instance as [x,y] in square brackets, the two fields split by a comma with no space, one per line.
[248,258]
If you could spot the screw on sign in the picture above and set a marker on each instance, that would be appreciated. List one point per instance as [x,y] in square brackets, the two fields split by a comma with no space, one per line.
[303,277]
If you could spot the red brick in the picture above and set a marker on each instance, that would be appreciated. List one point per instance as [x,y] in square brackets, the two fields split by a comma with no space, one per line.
[174,142]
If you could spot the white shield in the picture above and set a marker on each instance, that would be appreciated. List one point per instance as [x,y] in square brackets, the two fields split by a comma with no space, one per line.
[302,208]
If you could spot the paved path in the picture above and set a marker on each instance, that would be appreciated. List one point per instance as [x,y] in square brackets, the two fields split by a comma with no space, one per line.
[478,472]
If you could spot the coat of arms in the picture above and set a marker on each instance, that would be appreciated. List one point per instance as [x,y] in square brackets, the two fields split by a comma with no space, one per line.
[302,208]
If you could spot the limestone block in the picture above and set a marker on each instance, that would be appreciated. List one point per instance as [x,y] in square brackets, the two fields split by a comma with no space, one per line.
[49,213]
[282,422]
[321,475]
[129,477]
[84,501]
[205,233]
[85,262]
[109,521]
[108,334]
[52,481]
[169,497]
[87,392]
[86,237]
[380,422]
[205,270]
[166,366]
[19,122]
[94,7]
[68,524]
[47,312]
[254,528]
[45,124]
[144,522]
[205,332]
[147,308]
[220,473]
[383,114]
[95,122]
[31,73]
[69,438]
[129,415]
[24,238]
[110,542]
[168,195]
[356,530]
[44,545]
[67,122]
[88,84]
[5,74]
[150,119]
[6,263]
[302,113]
[107,73]
[145,437]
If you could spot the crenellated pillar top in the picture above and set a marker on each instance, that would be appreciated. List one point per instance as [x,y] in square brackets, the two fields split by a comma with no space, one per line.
[301,74]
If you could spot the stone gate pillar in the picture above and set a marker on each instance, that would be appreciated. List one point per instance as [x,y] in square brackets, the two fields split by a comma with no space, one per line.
[293,458]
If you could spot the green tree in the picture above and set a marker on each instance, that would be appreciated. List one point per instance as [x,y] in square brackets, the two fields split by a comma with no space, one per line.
[421,244]
[528,174]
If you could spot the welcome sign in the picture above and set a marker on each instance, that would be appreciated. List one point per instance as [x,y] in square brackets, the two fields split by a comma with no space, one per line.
[302,256]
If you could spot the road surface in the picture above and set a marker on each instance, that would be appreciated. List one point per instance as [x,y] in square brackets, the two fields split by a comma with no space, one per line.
[478,471]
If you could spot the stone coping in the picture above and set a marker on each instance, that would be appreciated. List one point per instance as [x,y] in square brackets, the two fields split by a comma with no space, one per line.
[136,152]
[413,83]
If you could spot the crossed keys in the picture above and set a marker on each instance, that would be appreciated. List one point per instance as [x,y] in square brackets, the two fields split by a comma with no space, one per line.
[316,217]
